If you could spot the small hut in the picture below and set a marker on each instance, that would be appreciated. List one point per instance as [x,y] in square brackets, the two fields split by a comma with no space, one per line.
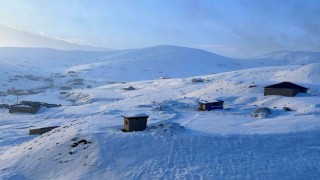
[135,122]
[197,80]
[129,88]
[206,105]
[22,108]
[284,89]
[41,130]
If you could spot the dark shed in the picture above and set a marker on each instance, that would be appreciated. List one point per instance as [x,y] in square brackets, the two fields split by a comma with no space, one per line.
[39,104]
[284,89]
[210,105]
[22,108]
[137,122]
[41,130]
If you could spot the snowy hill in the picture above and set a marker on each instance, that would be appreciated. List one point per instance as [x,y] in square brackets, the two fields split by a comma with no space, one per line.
[98,68]
[155,62]
[50,60]
[180,142]
[288,58]
[39,64]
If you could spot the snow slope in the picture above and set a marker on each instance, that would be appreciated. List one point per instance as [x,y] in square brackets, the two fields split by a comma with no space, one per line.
[98,68]
[155,62]
[308,73]
[288,58]
[101,67]
[180,142]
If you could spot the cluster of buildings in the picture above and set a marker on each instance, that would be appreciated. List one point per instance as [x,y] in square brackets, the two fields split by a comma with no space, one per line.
[31,107]
[283,89]
[138,122]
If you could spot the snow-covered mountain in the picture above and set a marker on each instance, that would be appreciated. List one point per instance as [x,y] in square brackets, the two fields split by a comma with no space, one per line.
[32,68]
[109,66]
[155,62]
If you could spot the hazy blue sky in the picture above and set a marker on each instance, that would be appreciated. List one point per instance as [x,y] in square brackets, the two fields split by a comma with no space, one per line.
[229,27]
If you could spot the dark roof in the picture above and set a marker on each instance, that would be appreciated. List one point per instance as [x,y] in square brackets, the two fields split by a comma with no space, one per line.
[137,115]
[211,102]
[286,85]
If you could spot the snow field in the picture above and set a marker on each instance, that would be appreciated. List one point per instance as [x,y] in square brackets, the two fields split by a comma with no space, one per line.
[180,142]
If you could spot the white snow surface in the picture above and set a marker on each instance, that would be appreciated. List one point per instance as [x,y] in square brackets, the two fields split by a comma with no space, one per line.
[180,142]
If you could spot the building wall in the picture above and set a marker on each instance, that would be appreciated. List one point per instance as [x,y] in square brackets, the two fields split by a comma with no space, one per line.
[23,110]
[280,91]
[135,124]
[211,106]
[303,90]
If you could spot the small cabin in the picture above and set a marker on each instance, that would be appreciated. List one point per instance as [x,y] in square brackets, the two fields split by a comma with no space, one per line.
[129,88]
[22,108]
[41,130]
[197,80]
[210,105]
[284,89]
[136,122]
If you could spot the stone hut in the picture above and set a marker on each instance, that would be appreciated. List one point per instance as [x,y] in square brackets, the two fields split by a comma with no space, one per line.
[22,108]
[284,89]
[205,105]
[135,122]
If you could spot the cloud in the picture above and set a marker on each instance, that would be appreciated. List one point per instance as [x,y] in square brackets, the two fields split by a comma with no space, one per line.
[17,37]
[259,26]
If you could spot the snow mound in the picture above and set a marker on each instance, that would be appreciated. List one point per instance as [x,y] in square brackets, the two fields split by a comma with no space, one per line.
[166,127]
[59,148]
[77,97]
[261,112]
[176,105]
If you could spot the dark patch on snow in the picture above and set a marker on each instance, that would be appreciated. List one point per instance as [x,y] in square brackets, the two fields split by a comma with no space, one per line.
[287,109]
[82,141]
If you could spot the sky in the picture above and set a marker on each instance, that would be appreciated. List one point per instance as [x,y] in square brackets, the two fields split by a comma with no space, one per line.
[236,28]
